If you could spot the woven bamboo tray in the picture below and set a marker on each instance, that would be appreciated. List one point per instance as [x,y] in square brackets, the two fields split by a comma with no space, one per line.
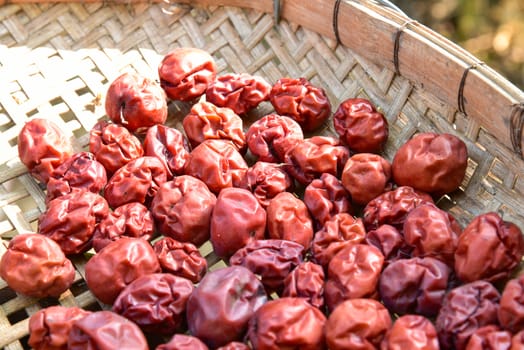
[57,60]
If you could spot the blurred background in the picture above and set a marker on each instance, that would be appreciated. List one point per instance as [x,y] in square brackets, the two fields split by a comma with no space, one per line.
[491,30]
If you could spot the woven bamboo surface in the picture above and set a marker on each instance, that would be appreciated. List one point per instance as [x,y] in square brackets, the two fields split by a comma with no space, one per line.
[57,60]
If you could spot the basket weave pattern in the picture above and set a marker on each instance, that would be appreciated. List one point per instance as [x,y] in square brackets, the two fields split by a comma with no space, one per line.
[57,60]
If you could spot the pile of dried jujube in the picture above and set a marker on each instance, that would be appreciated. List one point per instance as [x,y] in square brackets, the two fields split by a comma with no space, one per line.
[328,245]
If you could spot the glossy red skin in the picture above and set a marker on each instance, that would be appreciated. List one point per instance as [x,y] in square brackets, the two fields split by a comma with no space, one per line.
[266,180]
[34,265]
[271,259]
[432,232]
[182,209]
[271,136]
[489,248]
[511,311]
[358,324]
[517,341]
[392,207]
[49,327]
[186,72]
[81,171]
[207,121]
[136,102]
[180,259]
[155,302]
[299,99]
[416,285]
[465,309]
[237,219]
[490,337]
[131,220]
[137,181]
[411,332]
[361,126]
[170,146]
[338,232]
[105,330]
[220,307]
[353,273]
[326,197]
[240,92]
[366,176]
[121,262]
[312,157]
[217,163]
[441,161]
[71,219]
[113,145]
[287,323]
[288,218]
[390,242]
[306,281]
[183,342]
[43,147]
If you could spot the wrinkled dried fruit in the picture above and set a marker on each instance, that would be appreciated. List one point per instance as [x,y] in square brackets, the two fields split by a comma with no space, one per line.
[411,332]
[306,281]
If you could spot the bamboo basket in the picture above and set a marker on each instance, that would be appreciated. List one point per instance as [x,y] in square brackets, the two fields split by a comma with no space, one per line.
[58,58]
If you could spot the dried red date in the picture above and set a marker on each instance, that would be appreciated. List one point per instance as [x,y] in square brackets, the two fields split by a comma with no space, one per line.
[266,180]
[353,273]
[240,92]
[170,146]
[511,311]
[131,220]
[34,265]
[390,242]
[326,197]
[366,176]
[49,327]
[220,307]
[207,121]
[299,99]
[155,302]
[137,181]
[71,219]
[136,102]
[440,159]
[489,248]
[490,337]
[113,145]
[339,231]
[237,219]
[465,309]
[432,232]
[306,281]
[287,323]
[271,136]
[517,341]
[312,157]
[81,171]
[43,147]
[234,345]
[186,72]
[357,324]
[182,209]
[361,126]
[121,262]
[217,163]
[411,332]
[180,258]
[392,207]
[183,342]
[415,285]
[271,259]
[288,218]
[105,330]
